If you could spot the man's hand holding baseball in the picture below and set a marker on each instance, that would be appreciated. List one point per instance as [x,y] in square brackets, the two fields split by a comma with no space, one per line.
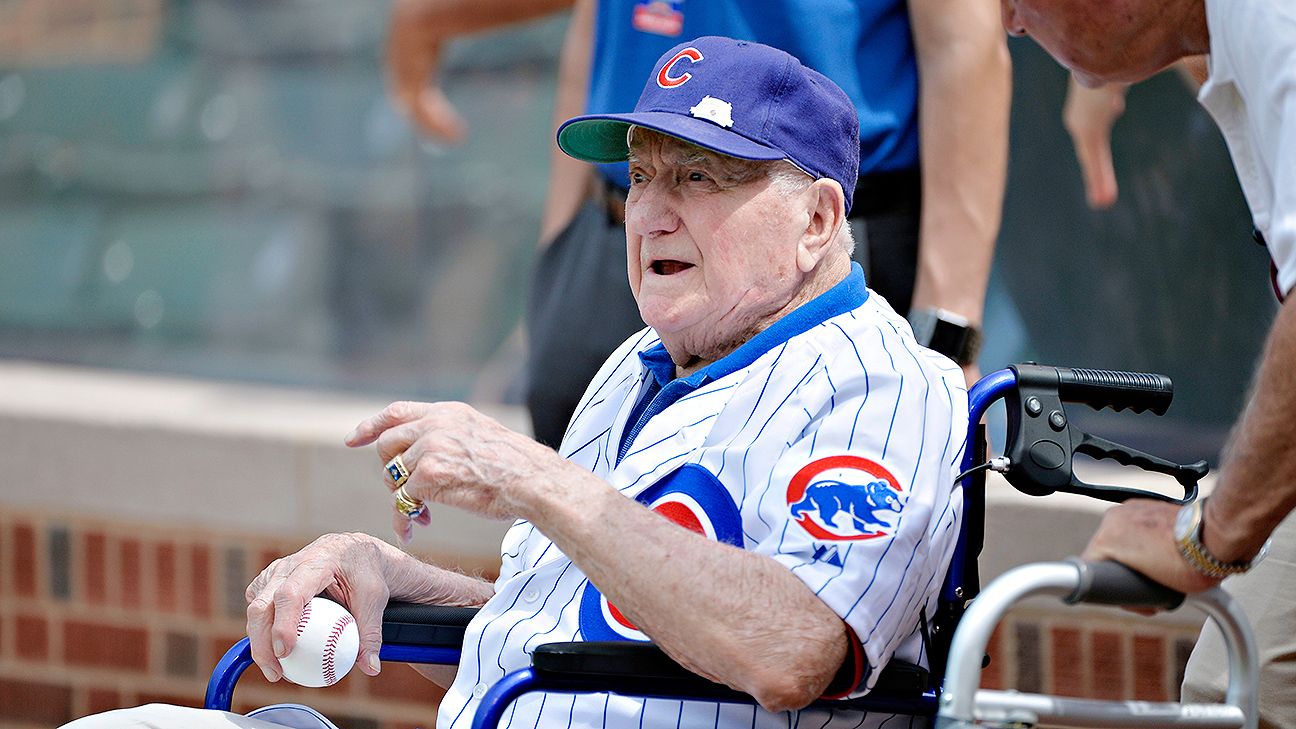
[361,573]
[349,568]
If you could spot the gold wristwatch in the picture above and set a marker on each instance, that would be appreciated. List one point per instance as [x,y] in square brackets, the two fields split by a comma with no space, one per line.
[1187,533]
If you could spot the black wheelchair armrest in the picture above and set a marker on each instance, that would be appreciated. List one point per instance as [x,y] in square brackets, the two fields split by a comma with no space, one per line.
[425,625]
[902,679]
[633,667]
[625,667]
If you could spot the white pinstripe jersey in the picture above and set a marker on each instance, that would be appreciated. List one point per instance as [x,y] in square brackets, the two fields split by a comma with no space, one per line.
[829,442]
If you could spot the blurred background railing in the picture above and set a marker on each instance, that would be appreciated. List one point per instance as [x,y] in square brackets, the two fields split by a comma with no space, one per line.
[222,189]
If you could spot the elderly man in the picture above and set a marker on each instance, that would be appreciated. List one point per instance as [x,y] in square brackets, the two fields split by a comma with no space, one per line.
[1251,93]
[799,443]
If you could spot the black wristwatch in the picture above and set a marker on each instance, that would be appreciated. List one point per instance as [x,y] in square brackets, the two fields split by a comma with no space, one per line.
[947,333]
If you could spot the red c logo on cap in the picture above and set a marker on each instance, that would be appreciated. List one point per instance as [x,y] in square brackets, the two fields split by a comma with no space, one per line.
[667,81]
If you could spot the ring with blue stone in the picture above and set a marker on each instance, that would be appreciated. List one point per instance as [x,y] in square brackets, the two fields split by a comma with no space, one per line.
[397,470]
[407,505]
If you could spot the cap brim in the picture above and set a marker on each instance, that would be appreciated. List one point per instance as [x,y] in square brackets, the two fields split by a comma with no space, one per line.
[601,138]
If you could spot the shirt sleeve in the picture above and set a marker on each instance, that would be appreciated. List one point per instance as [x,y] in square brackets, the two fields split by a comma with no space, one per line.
[862,505]
[1281,237]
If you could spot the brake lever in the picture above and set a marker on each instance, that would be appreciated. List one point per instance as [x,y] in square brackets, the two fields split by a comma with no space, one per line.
[1042,445]
[1091,445]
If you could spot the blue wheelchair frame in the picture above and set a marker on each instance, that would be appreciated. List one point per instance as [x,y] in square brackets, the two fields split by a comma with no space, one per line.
[1040,454]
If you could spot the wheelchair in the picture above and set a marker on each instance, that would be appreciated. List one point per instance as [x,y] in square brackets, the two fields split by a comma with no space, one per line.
[1039,451]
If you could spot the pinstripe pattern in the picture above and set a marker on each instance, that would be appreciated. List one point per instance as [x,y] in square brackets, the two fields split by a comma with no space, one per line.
[856,384]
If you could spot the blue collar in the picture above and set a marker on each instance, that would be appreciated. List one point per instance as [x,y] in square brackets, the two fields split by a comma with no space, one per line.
[664,389]
[850,293]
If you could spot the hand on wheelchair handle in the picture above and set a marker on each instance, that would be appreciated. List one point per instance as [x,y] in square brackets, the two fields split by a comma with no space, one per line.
[1140,534]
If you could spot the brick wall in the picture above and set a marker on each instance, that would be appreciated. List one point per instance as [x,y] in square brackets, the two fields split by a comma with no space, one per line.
[97,614]
[1086,655]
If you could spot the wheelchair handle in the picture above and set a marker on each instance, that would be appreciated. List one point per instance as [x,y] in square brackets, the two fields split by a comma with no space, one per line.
[1042,442]
[1100,389]
[1112,583]
[962,705]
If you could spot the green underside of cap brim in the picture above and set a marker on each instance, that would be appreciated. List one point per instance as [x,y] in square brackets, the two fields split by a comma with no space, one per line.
[595,140]
[602,139]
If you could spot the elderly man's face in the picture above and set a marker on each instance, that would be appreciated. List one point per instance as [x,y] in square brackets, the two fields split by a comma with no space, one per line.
[711,243]
[1099,40]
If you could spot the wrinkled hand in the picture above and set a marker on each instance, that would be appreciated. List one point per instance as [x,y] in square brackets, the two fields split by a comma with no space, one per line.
[349,568]
[1140,534]
[455,456]
[413,58]
[1088,115]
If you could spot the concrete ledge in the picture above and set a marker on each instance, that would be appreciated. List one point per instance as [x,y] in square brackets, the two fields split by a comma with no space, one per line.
[180,452]
[270,461]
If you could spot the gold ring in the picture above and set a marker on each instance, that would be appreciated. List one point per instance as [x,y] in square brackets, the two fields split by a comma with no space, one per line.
[397,470]
[407,505]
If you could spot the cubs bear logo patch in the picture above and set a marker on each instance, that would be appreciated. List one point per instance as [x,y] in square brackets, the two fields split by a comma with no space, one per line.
[845,498]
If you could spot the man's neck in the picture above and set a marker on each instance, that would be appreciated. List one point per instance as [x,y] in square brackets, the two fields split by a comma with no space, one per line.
[828,274]
[1194,32]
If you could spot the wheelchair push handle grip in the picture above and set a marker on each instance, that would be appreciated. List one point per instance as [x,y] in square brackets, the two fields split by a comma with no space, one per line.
[1115,389]
[1112,583]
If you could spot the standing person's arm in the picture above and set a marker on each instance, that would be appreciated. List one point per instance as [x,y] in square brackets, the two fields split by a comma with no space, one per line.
[417,30]
[1257,486]
[1255,491]
[965,86]
[569,179]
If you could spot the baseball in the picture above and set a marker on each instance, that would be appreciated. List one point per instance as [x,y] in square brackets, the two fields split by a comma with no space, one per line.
[327,643]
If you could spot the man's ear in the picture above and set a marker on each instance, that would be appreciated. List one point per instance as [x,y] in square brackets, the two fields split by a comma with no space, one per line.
[827,216]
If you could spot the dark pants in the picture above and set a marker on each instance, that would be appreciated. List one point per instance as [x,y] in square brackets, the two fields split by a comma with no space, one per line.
[580,308]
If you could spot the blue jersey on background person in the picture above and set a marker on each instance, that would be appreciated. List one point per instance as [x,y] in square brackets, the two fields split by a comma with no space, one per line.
[865,48]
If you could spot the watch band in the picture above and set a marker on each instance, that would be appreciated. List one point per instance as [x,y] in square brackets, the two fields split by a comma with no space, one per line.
[1188,530]
[947,333]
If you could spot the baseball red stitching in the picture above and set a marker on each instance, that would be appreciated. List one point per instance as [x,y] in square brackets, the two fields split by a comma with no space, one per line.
[330,649]
[301,624]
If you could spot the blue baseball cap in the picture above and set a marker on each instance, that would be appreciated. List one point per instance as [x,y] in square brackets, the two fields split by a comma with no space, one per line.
[740,99]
